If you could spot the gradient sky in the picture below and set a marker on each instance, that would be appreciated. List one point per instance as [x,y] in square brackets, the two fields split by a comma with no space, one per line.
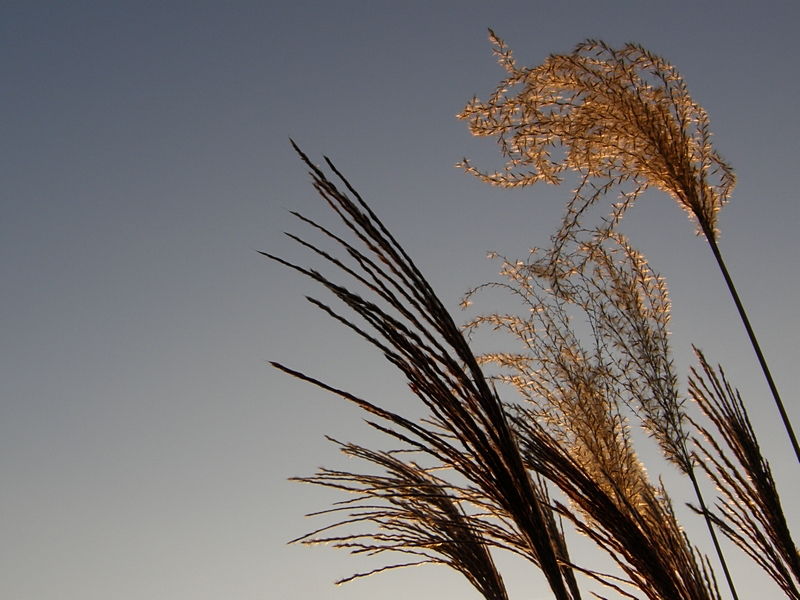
[145,443]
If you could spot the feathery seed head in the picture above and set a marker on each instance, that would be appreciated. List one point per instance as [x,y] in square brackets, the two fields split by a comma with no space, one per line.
[613,115]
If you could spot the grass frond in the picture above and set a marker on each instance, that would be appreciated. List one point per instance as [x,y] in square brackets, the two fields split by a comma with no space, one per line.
[581,389]
[610,114]
[749,508]
[416,333]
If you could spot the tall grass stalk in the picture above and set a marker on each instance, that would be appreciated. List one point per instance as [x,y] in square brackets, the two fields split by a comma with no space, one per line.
[623,120]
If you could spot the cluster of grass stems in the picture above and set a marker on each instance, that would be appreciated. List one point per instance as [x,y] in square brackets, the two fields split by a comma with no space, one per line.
[480,474]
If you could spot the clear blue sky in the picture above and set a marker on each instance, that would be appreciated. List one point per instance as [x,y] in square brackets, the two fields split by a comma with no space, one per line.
[145,442]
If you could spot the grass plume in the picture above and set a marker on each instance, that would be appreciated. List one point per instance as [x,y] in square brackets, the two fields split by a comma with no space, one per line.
[624,121]
[749,510]
[475,474]
[470,433]
[578,395]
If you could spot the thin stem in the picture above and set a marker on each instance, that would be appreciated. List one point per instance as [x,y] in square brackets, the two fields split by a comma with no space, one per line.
[762,361]
[713,534]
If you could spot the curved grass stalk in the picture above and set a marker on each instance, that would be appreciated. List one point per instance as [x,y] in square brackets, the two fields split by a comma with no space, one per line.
[645,540]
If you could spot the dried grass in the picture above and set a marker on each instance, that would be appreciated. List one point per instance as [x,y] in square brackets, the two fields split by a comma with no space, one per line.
[749,510]
[476,474]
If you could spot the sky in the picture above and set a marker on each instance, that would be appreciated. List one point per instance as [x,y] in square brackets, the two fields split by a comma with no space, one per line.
[145,442]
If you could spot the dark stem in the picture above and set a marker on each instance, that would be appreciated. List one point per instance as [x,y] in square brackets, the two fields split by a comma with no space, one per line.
[713,534]
[762,361]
